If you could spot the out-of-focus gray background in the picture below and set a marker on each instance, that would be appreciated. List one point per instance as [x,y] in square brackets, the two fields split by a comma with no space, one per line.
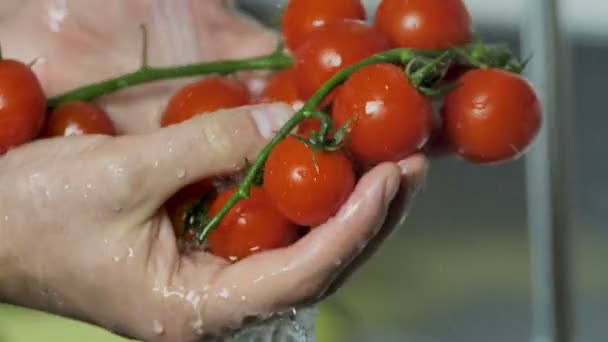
[460,270]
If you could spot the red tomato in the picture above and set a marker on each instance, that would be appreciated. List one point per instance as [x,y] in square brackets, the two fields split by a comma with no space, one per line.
[22,105]
[252,226]
[425,24]
[391,118]
[302,17]
[332,48]
[282,87]
[306,192]
[182,202]
[78,118]
[493,116]
[208,95]
[309,125]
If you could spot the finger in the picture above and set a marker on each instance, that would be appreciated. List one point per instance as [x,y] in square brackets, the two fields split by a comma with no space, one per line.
[413,171]
[280,279]
[205,146]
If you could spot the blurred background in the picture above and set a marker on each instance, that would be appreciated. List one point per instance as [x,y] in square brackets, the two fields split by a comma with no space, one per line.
[483,252]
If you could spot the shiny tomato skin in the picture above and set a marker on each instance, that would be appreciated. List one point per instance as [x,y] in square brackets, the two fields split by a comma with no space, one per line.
[282,87]
[492,117]
[22,105]
[302,17]
[425,24]
[208,95]
[391,119]
[252,226]
[332,48]
[180,204]
[78,118]
[305,192]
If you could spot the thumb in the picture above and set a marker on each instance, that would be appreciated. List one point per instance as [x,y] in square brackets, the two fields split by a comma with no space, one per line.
[205,146]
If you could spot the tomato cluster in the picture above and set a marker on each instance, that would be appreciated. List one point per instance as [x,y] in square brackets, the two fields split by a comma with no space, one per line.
[382,112]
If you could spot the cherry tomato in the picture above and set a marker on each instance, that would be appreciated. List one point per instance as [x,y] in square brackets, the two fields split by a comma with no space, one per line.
[391,119]
[282,87]
[494,116]
[252,226]
[302,17]
[22,105]
[208,95]
[307,189]
[309,125]
[425,24]
[78,118]
[332,48]
[179,206]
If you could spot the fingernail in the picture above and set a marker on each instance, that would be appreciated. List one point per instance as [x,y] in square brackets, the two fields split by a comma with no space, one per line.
[270,118]
[415,171]
[391,187]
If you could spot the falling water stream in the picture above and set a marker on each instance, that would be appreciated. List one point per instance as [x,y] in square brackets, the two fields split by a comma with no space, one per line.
[296,326]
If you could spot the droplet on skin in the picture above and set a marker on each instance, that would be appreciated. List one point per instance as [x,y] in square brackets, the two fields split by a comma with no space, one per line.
[6,218]
[66,187]
[338,263]
[131,253]
[223,293]
[243,298]
[158,328]
[181,173]
[116,259]
[89,186]
[156,164]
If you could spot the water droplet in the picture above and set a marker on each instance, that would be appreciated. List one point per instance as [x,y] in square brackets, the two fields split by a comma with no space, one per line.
[223,293]
[181,173]
[197,324]
[66,187]
[89,186]
[116,259]
[338,263]
[131,253]
[105,241]
[6,218]
[158,328]
[47,193]
[243,298]
[156,164]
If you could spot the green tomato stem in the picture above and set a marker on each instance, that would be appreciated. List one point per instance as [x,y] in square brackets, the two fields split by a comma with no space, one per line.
[146,74]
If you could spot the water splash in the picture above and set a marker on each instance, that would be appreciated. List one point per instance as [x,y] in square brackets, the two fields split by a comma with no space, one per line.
[295,326]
